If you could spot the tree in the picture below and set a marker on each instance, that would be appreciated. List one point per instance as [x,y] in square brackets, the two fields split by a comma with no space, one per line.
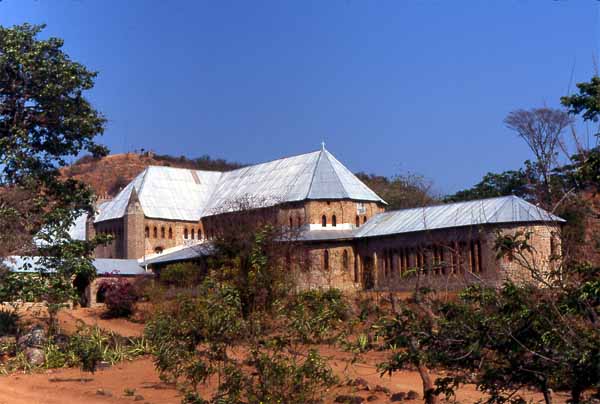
[586,102]
[541,129]
[511,182]
[400,191]
[44,119]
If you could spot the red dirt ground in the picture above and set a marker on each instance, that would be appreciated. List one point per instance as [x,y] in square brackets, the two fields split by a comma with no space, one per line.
[64,386]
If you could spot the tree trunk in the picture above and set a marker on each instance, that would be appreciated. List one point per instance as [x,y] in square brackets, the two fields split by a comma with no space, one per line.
[547,395]
[428,386]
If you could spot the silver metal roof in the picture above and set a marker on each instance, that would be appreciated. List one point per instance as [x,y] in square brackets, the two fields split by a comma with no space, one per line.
[110,266]
[315,175]
[104,266]
[166,193]
[187,253]
[181,194]
[506,209]
[77,229]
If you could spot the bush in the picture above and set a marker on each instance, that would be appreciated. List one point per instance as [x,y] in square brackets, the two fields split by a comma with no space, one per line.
[315,315]
[120,297]
[185,274]
[9,322]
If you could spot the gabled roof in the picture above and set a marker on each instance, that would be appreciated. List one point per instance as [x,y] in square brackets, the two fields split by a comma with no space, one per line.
[505,209]
[181,194]
[165,193]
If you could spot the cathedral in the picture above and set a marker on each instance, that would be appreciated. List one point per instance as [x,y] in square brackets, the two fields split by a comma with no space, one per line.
[167,215]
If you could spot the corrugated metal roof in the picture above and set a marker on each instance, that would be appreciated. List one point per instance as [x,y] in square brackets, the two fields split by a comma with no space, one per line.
[171,193]
[315,175]
[104,266]
[506,209]
[77,229]
[184,254]
[166,193]
[109,266]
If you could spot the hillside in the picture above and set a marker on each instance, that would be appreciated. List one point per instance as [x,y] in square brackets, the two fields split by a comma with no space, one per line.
[108,175]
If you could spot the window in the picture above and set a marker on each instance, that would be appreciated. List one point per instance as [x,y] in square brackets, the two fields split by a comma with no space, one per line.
[291,222]
[199,234]
[170,233]
[324,221]
[357,221]
[326,260]
[299,220]
[345,261]
[147,232]
[475,257]
[185,233]
[154,232]
[193,233]
[365,219]
[333,221]
[162,232]
[158,250]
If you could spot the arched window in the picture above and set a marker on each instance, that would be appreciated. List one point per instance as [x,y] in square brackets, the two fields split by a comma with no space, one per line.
[333,221]
[162,232]
[291,222]
[365,219]
[299,220]
[193,233]
[147,232]
[158,250]
[185,233]
[170,233]
[155,232]
[199,234]
[324,221]
[326,260]
[345,261]
[357,221]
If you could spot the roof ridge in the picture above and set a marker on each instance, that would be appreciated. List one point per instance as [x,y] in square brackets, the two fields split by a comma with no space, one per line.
[271,161]
[312,178]
[337,175]
[343,166]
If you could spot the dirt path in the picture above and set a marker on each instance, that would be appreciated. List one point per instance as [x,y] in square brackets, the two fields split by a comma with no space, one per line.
[64,387]
[93,316]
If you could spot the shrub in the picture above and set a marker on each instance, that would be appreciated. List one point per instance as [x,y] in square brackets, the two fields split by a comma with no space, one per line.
[9,322]
[315,315]
[120,297]
[181,275]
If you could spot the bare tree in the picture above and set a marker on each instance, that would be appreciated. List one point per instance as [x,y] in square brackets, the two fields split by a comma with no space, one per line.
[541,129]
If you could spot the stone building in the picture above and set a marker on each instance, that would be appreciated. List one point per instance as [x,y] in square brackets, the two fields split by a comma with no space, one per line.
[341,225]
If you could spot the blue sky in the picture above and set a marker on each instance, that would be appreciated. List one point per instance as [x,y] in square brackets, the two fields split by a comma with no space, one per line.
[391,86]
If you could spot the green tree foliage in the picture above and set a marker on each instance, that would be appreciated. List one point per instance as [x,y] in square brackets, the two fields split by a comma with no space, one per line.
[586,102]
[44,119]
[402,191]
[492,185]
[181,275]
[193,338]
